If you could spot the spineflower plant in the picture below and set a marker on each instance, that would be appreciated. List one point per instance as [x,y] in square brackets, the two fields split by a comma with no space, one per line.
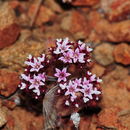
[59,61]
[67,65]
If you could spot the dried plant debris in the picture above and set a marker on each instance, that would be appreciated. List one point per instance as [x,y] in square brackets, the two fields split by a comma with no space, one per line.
[49,112]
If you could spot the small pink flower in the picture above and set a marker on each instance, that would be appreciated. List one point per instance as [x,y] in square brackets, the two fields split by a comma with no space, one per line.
[86,83]
[36,65]
[71,89]
[95,91]
[88,91]
[61,74]
[42,58]
[67,57]
[82,46]
[42,77]
[36,82]
[93,77]
[78,82]
[25,77]
[77,56]
[62,46]
[37,91]
[63,86]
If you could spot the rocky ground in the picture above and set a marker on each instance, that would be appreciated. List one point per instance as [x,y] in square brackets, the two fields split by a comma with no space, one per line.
[103,23]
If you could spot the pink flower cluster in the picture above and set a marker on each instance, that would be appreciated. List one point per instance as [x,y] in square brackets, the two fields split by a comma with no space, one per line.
[55,67]
[72,53]
[34,76]
[61,74]
[85,86]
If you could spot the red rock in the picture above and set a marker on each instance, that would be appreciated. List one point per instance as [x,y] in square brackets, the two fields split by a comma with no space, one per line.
[9,81]
[107,31]
[98,69]
[9,29]
[116,10]
[85,123]
[56,7]
[93,37]
[85,2]
[114,95]
[125,83]
[3,118]
[109,118]
[44,14]
[103,54]
[14,4]
[75,23]
[78,22]
[122,54]
[11,122]
[18,6]
[125,119]
[20,119]
[9,104]
[88,123]
[9,35]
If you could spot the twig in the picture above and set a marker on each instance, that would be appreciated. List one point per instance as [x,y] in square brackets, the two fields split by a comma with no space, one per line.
[13,97]
[10,96]
[124,113]
[51,78]
[107,127]
[35,13]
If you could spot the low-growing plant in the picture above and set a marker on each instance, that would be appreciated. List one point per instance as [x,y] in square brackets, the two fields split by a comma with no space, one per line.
[63,72]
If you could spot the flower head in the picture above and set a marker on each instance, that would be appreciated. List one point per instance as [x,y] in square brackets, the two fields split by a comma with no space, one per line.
[82,87]
[35,63]
[77,56]
[71,90]
[87,91]
[62,46]
[36,82]
[33,80]
[63,86]
[61,74]
[67,57]
[77,81]
[25,77]
[82,46]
